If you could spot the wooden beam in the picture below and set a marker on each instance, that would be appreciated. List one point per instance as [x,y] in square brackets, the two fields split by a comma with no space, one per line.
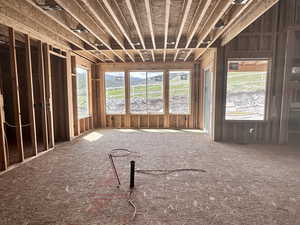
[153,55]
[284,114]
[31,18]
[42,87]
[52,24]
[149,17]
[135,22]
[49,101]
[119,24]
[75,10]
[68,93]
[176,54]
[218,95]
[199,20]
[167,17]
[74,96]
[11,18]
[183,21]
[30,95]
[236,14]
[15,94]
[217,14]
[43,27]
[248,18]
[3,150]
[127,99]
[166,99]
[99,14]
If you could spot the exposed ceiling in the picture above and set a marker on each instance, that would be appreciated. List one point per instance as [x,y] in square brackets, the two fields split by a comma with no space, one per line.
[144,30]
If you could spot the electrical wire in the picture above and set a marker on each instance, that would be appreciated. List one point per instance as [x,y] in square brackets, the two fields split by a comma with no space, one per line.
[14,126]
[130,201]
[115,153]
[166,172]
[6,143]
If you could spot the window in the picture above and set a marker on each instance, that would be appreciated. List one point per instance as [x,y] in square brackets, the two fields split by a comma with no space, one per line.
[82,93]
[115,92]
[146,92]
[246,90]
[179,92]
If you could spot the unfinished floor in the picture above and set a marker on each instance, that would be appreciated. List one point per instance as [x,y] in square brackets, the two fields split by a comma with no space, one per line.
[74,184]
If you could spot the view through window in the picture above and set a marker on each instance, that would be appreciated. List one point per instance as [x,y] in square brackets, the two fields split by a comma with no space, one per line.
[246,90]
[82,92]
[179,92]
[146,92]
[115,92]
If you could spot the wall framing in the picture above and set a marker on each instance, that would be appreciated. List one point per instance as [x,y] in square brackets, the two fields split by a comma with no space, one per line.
[165,120]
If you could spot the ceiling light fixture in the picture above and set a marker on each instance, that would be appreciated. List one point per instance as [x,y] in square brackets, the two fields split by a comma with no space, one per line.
[207,40]
[98,45]
[220,24]
[80,29]
[171,43]
[239,2]
[50,7]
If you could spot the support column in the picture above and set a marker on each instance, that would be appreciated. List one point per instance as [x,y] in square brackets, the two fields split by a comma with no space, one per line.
[15,93]
[49,102]
[127,99]
[218,95]
[42,86]
[166,99]
[3,156]
[30,95]
[68,95]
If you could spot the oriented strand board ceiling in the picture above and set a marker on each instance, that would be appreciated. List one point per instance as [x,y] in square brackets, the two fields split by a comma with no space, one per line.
[151,30]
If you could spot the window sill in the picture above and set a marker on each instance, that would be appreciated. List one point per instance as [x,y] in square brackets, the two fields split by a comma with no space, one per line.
[246,121]
[84,117]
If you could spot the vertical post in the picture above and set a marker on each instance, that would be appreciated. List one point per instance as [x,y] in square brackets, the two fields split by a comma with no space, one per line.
[15,92]
[48,86]
[74,96]
[218,95]
[94,97]
[284,116]
[3,157]
[102,98]
[166,99]
[68,96]
[41,78]
[132,171]
[127,99]
[30,95]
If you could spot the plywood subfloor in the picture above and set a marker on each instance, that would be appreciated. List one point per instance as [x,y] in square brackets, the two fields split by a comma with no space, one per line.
[74,184]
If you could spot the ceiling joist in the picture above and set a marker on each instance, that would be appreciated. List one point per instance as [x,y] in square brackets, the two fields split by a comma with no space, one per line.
[119,24]
[112,31]
[99,14]
[167,18]
[76,11]
[217,14]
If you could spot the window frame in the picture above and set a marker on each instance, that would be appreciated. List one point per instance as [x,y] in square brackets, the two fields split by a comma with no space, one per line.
[190,92]
[89,114]
[114,114]
[267,88]
[163,92]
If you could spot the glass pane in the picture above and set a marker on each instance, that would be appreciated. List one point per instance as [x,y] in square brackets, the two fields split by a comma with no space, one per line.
[179,92]
[155,92]
[82,92]
[246,90]
[115,92]
[138,92]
